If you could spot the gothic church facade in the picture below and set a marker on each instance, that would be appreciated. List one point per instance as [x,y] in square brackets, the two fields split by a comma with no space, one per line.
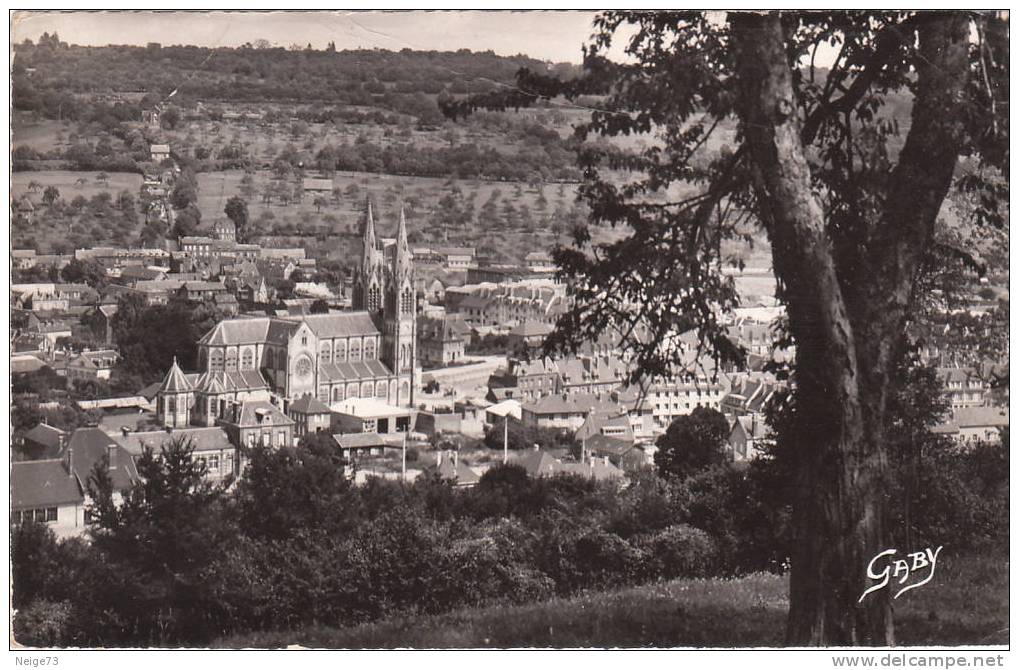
[365,353]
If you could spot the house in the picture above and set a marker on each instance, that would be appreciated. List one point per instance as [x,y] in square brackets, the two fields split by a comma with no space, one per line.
[225,229]
[540,261]
[442,341]
[749,433]
[47,491]
[354,445]
[623,454]
[159,152]
[201,291]
[25,364]
[24,209]
[564,412]
[23,259]
[529,334]
[54,490]
[964,386]
[89,446]
[539,463]
[257,422]
[211,445]
[969,425]
[448,466]
[310,416]
[369,415]
[92,365]
[43,441]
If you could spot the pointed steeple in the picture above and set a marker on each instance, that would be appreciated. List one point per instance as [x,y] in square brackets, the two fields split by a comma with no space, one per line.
[175,381]
[368,240]
[403,257]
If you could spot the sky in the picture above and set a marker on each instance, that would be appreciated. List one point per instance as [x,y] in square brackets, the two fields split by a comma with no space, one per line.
[546,35]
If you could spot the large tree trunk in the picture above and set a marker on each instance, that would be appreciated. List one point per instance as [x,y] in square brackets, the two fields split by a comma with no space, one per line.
[847,330]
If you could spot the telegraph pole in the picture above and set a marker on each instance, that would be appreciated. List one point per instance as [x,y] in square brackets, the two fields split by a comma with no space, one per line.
[505,439]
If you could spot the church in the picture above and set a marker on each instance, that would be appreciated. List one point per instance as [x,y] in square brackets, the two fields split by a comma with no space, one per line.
[369,352]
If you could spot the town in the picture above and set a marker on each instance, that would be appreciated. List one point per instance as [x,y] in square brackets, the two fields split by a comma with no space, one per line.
[358,300]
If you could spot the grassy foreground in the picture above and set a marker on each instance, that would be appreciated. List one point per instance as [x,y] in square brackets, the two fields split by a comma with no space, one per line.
[965,603]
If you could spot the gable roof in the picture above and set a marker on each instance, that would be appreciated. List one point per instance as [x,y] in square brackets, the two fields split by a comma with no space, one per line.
[203,439]
[88,446]
[359,440]
[974,417]
[251,410]
[48,436]
[309,405]
[45,483]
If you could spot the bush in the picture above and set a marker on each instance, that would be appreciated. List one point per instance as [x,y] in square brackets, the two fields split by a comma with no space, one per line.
[677,551]
[44,624]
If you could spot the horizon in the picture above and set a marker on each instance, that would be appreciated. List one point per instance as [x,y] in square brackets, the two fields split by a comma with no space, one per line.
[555,36]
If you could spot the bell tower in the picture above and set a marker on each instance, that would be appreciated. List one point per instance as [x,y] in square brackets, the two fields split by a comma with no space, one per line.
[400,318]
[369,279]
[173,400]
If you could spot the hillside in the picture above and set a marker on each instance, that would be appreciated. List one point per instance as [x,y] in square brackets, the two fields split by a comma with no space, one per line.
[377,77]
[966,603]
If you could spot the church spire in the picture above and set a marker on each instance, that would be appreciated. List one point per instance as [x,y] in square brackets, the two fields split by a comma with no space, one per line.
[403,257]
[370,246]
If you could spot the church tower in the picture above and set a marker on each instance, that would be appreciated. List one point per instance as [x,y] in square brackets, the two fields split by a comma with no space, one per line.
[173,399]
[369,280]
[400,318]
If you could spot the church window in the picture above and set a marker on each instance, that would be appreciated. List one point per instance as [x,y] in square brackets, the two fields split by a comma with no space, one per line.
[355,351]
[341,351]
[171,405]
[369,349]
[338,394]
[373,298]
[407,302]
[380,389]
[247,359]
[327,352]
[366,390]
[216,360]
[270,359]
[231,360]
[323,394]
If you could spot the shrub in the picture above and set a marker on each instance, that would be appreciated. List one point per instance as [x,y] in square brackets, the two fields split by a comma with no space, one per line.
[44,624]
[677,551]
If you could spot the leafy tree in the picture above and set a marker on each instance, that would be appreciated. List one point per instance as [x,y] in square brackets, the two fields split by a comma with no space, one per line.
[50,195]
[167,531]
[84,271]
[237,211]
[283,491]
[320,306]
[849,208]
[693,443]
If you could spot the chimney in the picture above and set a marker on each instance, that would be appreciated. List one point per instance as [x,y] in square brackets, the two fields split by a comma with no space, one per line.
[111,451]
[125,431]
[70,462]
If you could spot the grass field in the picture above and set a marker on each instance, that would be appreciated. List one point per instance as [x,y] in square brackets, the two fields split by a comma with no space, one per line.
[965,603]
[66,182]
[39,134]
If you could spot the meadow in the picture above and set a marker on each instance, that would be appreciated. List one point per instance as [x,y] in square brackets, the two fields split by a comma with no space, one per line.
[965,604]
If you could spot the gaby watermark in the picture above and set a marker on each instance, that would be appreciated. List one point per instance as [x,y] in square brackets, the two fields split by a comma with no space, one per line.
[901,569]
